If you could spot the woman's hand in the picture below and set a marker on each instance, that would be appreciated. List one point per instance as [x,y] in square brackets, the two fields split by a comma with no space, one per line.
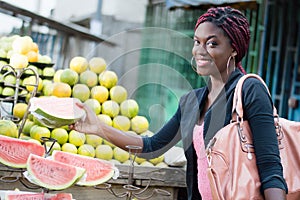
[90,124]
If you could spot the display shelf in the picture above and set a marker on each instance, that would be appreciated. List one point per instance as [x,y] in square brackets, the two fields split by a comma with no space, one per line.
[169,179]
[7,103]
[133,182]
[41,65]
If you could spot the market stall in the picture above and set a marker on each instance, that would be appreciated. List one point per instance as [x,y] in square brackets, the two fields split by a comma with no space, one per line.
[26,73]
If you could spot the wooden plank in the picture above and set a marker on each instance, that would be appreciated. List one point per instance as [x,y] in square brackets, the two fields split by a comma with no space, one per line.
[160,176]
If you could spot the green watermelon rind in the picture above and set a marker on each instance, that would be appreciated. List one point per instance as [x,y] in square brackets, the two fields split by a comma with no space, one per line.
[96,182]
[79,173]
[10,164]
[83,181]
[19,142]
[48,117]
[52,121]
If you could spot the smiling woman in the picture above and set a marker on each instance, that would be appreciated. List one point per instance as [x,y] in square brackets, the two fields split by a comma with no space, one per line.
[211,50]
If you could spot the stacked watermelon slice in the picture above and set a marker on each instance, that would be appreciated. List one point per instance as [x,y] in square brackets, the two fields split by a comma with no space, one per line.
[15,152]
[58,172]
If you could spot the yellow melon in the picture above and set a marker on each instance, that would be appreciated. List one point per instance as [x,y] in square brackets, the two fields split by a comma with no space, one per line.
[61,90]
[79,64]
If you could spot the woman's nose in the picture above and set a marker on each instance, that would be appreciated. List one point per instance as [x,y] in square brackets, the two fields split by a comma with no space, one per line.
[200,49]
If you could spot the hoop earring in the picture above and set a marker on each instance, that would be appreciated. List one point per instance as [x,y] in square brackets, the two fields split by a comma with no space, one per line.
[193,64]
[228,61]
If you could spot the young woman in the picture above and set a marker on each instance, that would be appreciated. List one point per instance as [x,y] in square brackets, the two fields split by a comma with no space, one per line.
[220,42]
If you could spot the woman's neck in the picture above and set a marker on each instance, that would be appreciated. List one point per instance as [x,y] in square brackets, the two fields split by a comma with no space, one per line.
[216,85]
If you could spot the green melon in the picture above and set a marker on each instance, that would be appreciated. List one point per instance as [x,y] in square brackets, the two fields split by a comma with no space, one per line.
[56,112]
[51,174]
[97,171]
[15,152]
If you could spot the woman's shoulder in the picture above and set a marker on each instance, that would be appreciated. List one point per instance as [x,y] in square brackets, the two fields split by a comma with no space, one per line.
[253,83]
[254,88]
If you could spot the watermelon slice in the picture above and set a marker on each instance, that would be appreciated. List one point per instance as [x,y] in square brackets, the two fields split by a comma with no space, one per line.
[22,195]
[15,152]
[25,196]
[52,174]
[55,112]
[97,171]
[58,196]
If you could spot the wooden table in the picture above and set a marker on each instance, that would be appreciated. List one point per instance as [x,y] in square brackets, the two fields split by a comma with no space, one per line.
[169,180]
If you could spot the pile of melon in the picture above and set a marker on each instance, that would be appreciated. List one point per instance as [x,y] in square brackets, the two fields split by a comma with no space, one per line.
[20,48]
[90,82]
[87,80]
[22,53]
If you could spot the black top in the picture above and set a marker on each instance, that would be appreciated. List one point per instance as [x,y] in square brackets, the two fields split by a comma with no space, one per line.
[258,110]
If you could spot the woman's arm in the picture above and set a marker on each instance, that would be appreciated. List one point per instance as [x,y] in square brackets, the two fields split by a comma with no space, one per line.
[258,109]
[151,147]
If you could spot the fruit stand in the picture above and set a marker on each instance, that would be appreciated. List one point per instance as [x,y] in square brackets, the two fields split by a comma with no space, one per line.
[91,83]
[27,74]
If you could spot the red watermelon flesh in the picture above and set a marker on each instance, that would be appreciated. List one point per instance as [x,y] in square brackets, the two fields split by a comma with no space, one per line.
[25,196]
[52,174]
[97,171]
[59,196]
[15,152]
[18,195]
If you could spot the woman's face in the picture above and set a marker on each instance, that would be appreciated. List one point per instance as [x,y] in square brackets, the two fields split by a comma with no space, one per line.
[211,50]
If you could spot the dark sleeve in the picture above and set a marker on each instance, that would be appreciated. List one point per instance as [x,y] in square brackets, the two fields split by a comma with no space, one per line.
[164,139]
[258,108]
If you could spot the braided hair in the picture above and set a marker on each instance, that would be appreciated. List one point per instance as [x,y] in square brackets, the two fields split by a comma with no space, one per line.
[234,24]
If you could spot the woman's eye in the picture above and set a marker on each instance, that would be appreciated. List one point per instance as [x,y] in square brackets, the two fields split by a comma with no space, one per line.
[196,42]
[211,43]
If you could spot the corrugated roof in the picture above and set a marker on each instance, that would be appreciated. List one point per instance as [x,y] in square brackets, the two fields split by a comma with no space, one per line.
[188,3]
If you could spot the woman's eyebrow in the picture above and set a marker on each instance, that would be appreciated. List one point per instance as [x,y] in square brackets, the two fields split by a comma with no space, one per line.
[211,36]
[208,37]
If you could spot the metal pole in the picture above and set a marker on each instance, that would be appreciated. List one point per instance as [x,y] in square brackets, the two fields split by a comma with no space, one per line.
[96,21]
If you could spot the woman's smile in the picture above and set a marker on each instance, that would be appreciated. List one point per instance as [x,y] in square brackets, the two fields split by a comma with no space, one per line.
[202,62]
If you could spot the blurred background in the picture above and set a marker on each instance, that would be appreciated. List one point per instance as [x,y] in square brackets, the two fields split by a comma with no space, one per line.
[148,44]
